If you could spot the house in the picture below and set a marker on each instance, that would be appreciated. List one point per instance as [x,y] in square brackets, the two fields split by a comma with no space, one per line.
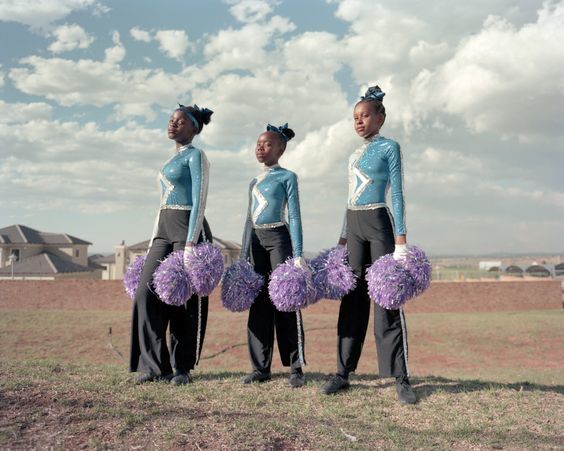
[26,253]
[115,265]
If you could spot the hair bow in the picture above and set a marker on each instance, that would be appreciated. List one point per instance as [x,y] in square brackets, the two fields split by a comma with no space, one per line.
[273,128]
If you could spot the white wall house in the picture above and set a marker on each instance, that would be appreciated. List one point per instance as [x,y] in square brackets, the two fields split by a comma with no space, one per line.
[114,266]
[26,253]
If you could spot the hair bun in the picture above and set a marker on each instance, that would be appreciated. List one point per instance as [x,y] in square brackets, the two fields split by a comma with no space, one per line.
[288,133]
[373,93]
[206,115]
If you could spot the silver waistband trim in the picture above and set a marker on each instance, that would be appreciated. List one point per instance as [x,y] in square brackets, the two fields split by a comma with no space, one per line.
[272,225]
[176,207]
[368,206]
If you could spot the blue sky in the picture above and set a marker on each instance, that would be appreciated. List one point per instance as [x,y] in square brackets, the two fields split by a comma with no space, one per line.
[475,96]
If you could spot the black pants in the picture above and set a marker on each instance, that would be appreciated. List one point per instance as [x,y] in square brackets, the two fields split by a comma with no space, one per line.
[370,235]
[151,316]
[269,248]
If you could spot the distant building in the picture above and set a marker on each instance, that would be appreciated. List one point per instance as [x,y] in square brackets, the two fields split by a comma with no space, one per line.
[26,253]
[487,265]
[114,266]
[514,270]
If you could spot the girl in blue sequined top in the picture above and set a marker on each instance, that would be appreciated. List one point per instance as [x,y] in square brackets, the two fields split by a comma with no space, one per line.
[370,231]
[179,225]
[269,239]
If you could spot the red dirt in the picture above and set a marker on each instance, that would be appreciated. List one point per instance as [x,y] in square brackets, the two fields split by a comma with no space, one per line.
[441,297]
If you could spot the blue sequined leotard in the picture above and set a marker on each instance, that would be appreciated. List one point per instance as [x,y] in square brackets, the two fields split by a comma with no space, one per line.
[373,169]
[269,195]
[184,186]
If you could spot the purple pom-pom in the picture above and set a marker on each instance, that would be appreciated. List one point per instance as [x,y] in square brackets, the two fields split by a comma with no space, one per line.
[240,286]
[418,265]
[389,284]
[132,275]
[205,268]
[171,281]
[319,276]
[332,275]
[290,288]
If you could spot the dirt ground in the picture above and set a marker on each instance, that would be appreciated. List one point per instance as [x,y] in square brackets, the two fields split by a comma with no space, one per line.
[441,297]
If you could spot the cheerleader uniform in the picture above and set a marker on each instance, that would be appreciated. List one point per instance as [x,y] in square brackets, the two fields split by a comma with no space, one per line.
[180,220]
[269,241]
[369,230]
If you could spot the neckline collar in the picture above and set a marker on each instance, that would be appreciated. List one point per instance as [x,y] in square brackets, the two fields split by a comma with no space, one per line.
[374,138]
[184,147]
[270,168]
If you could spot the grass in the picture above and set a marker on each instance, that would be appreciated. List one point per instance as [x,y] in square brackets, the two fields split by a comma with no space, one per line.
[49,404]
[484,380]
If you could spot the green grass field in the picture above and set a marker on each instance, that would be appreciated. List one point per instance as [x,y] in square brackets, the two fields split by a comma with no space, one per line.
[484,381]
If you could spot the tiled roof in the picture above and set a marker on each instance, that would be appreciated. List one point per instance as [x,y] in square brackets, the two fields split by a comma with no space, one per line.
[42,264]
[107,259]
[142,246]
[20,234]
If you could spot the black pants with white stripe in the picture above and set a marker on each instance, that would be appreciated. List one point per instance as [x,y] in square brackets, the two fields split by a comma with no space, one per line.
[269,248]
[370,235]
[151,317]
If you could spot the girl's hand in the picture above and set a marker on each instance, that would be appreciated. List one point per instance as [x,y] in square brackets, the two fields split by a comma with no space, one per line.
[400,252]
[300,262]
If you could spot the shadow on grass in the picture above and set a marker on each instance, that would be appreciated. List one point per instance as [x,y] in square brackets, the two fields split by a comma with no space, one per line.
[426,386]
[423,386]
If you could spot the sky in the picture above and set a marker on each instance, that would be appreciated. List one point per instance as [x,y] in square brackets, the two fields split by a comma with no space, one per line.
[474,95]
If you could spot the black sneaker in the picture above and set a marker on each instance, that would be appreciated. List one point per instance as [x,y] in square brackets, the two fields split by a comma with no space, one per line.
[334,384]
[181,378]
[297,379]
[256,376]
[404,391]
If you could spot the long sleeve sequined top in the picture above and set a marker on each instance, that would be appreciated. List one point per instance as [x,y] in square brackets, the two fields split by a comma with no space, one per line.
[374,168]
[184,186]
[270,193]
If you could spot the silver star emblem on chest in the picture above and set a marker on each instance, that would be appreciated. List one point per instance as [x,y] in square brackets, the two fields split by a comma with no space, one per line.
[168,187]
[261,201]
[358,180]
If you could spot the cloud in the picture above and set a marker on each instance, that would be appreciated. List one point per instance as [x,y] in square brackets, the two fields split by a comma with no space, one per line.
[40,13]
[250,10]
[244,48]
[2,75]
[504,79]
[140,35]
[70,37]
[173,43]
[24,112]
[115,54]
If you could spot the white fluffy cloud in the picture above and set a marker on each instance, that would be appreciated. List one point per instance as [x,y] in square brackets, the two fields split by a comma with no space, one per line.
[70,37]
[173,43]
[503,79]
[24,112]
[140,35]
[250,10]
[40,13]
